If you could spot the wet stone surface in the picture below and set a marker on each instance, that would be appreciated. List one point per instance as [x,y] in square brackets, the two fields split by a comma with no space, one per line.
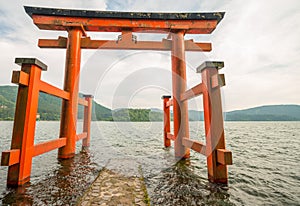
[112,188]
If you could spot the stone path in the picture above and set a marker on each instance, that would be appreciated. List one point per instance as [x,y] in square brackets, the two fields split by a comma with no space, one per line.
[112,188]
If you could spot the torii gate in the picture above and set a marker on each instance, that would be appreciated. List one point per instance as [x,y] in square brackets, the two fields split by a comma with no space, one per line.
[77,23]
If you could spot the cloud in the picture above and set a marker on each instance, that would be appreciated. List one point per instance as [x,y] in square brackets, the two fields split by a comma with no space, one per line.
[260,48]
[69,4]
[158,5]
[19,36]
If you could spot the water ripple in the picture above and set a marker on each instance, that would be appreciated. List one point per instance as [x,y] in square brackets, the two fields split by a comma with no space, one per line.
[265,168]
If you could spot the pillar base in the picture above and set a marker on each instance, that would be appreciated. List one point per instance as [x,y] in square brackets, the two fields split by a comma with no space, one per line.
[66,156]
[183,156]
[218,181]
[18,182]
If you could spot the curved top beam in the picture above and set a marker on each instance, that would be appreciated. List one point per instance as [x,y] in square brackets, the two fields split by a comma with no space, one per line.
[113,21]
[123,15]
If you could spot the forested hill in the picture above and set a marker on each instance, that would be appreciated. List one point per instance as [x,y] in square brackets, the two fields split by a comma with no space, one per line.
[266,113]
[262,113]
[50,108]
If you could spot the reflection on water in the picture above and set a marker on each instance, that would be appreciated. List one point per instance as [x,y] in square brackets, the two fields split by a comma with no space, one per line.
[179,185]
[62,186]
[265,168]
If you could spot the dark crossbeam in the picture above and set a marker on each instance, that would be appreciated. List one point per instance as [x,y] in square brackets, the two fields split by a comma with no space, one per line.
[111,21]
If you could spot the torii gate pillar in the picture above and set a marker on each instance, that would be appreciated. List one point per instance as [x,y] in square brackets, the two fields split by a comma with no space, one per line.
[181,120]
[71,84]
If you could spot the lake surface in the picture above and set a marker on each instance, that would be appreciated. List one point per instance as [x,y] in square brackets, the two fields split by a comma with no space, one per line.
[265,170]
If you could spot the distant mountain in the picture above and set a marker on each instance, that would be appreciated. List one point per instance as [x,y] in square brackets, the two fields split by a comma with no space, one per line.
[156,110]
[49,106]
[50,109]
[136,115]
[196,115]
[7,102]
[101,113]
[266,113]
[263,113]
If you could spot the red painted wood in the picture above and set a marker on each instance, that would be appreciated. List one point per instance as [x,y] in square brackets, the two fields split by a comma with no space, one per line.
[118,25]
[48,146]
[214,127]
[224,157]
[71,85]
[193,92]
[83,102]
[88,43]
[24,126]
[10,157]
[195,145]
[171,136]
[180,114]
[87,120]
[54,91]
[167,128]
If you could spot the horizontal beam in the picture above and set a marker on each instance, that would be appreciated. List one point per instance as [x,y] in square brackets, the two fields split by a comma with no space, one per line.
[87,43]
[194,145]
[193,92]
[171,136]
[169,103]
[81,136]
[44,147]
[83,102]
[52,90]
[218,80]
[190,45]
[118,25]
[224,157]
[10,157]
[61,42]
[20,78]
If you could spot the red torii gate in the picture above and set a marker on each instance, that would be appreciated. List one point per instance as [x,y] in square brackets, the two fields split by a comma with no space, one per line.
[77,23]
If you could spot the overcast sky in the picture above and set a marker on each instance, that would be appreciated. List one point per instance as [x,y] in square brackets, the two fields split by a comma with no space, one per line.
[258,41]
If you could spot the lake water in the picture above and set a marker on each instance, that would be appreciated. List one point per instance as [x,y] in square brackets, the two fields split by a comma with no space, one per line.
[265,170]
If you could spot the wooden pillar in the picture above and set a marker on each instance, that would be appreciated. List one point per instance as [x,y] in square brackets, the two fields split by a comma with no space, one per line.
[87,120]
[213,119]
[180,108]
[167,128]
[25,118]
[71,84]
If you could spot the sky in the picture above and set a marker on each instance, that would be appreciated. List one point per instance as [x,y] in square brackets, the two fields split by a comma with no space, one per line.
[258,41]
